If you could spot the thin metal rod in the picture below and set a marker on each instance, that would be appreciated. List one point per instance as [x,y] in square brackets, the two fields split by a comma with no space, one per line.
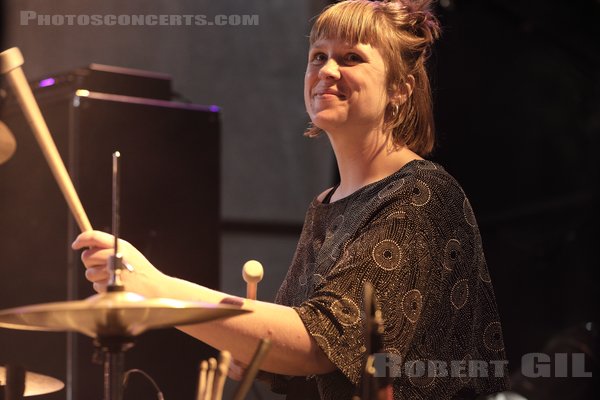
[116,260]
[116,183]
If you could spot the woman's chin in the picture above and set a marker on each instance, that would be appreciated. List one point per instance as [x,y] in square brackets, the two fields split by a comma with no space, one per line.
[328,123]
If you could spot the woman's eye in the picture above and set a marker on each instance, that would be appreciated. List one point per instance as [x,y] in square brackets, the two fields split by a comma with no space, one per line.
[318,58]
[353,58]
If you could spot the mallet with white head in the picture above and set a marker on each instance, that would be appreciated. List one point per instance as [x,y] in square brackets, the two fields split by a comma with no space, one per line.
[252,273]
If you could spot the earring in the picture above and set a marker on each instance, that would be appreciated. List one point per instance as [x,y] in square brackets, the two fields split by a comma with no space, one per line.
[395,110]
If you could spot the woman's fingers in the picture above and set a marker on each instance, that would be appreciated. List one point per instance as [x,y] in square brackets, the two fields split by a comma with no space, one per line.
[97,274]
[96,259]
[96,256]
[236,370]
[93,239]
[100,287]
[99,277]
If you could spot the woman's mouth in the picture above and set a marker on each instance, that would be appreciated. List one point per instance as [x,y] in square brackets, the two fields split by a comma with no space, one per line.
[329,94]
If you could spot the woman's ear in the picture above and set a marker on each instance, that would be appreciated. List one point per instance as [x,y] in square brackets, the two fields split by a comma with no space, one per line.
[401,93]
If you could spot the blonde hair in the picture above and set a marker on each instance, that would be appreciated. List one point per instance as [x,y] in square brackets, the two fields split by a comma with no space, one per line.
[403,32]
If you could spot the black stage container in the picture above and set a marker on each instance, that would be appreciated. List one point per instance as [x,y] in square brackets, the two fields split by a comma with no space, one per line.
[169,210]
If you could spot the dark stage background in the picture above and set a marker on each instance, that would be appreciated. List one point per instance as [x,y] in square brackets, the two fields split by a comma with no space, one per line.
[517,101]
[518,111]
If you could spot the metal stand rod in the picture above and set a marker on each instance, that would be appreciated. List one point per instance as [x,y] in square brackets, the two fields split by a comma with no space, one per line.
[115,265]
[114,368]
[113,349]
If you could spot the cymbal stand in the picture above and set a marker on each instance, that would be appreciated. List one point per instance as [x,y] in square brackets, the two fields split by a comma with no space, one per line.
[114,347]
[115,283]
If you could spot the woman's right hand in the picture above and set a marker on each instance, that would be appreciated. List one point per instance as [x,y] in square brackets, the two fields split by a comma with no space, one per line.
[145,279]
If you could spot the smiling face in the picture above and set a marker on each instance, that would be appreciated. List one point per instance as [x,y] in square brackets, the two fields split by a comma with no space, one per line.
[345,86]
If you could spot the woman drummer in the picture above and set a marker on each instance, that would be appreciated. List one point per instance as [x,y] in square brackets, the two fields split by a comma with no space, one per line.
[395,220]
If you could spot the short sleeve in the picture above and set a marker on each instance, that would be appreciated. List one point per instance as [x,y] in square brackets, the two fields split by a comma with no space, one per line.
[392,253]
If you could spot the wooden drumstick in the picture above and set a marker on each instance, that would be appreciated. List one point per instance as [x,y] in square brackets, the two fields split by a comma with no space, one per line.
[202,380]
[252,272]
[261,352]
[210,375]
[10,65]
[221,375]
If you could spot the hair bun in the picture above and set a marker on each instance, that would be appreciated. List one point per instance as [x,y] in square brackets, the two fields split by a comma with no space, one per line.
[421,20]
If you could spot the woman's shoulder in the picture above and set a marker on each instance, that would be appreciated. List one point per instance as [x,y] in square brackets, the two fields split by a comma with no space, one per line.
[414,175]
[421,185]
[434,175]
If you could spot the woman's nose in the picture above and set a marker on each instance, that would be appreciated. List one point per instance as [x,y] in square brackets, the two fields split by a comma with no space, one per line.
[330,70]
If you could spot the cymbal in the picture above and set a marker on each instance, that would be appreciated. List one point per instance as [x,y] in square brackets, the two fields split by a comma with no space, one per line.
[114,314]
[35,384]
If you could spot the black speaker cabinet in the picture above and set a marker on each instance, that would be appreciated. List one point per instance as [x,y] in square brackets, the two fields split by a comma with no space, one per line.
[169,210]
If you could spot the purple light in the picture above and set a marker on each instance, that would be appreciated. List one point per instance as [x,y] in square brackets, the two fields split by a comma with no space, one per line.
[214,108]
[46,82]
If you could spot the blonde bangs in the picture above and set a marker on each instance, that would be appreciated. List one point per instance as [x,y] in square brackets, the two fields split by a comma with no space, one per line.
[352,22]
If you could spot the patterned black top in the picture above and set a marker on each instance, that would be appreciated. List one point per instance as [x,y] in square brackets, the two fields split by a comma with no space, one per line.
[414,237]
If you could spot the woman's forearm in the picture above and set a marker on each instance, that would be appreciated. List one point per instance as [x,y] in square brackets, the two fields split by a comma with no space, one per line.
[293,350]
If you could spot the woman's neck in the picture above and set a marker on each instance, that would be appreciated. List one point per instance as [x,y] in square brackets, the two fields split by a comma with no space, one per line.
[366,159]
